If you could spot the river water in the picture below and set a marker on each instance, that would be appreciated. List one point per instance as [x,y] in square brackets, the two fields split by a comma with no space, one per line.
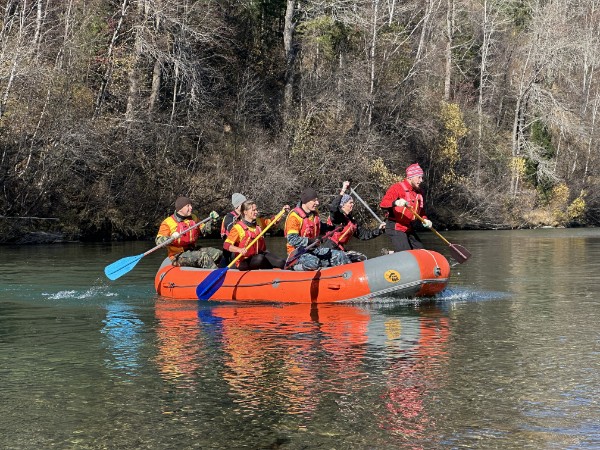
[506,357]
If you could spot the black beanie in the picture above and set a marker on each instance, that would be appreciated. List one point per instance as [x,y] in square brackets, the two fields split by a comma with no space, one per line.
[181,202]
[308,194]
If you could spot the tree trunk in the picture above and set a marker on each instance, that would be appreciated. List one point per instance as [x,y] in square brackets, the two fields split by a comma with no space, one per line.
[175,87]
[14,64]
[485,47]
[449,35]
[590,148]
[38,27]
[517,130]
[134,75]
[340,85]
[290,56]
[156,80]
[372,52]
[109,58]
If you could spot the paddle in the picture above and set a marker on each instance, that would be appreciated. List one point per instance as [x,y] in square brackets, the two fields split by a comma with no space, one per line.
[366,206]
[293,257]
[124,265]
[210,285]
[458,252]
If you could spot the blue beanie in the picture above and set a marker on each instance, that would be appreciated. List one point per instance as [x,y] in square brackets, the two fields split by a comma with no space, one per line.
[345,199]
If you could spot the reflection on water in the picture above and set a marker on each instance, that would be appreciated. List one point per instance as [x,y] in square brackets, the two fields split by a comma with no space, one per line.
[299,360]
[123,330]
[181,344]
[506,357]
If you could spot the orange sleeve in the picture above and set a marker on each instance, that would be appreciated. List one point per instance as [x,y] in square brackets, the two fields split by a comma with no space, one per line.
[164,230]
[293,224]
[235,236]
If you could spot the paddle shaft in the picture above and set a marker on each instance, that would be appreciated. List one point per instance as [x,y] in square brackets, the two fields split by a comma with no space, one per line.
[431,228]
[124,265]
[366,206]
[458,252]
[412,210]
[275,219]
[319,240]
[168,241]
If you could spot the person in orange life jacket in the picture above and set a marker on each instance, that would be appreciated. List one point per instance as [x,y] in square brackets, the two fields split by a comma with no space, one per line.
[340,213]
[228,221]
[302,227]
[398,201]
[183,251]
[242,233]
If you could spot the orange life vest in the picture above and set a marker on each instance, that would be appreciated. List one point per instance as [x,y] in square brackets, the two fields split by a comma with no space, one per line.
[310,228]
[184,242]
[402,215]
[249,235]
[341,237]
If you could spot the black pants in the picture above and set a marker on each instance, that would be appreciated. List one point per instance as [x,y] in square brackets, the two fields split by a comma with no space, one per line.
[400,240]
[266,260]
[226,259]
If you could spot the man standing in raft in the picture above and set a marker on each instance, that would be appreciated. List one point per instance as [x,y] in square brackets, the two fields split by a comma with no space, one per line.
[182,250]
[302,228]
[399,199]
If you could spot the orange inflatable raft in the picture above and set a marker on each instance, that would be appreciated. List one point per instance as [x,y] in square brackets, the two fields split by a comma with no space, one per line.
[413,273]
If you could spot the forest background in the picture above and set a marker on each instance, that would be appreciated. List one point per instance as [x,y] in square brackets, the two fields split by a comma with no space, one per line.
[110,109]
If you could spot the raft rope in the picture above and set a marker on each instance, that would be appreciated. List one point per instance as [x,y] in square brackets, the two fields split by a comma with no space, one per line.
[437,271]
[274,282]
[390,290]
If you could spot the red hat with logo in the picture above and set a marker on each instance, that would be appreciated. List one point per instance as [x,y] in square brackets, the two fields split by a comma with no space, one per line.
[414,170]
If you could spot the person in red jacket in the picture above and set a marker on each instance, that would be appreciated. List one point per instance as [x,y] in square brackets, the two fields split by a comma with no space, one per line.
[400,200]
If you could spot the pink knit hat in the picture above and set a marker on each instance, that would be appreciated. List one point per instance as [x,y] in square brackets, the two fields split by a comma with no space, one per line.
[414,170]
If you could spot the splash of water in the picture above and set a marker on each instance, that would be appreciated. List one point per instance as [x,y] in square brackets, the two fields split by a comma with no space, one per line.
[459,294]
[92,292]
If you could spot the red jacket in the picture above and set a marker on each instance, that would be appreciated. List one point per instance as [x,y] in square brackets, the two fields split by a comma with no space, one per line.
[403,216]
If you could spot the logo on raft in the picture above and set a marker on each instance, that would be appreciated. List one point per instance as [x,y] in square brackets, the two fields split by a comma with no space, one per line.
[392,276]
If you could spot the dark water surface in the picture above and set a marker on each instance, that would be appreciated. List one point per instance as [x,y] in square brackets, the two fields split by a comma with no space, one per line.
[507,357]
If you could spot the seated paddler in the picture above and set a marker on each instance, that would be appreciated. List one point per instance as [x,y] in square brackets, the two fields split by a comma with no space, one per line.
[185,250]
[302,229]
[242,233]
[346,226]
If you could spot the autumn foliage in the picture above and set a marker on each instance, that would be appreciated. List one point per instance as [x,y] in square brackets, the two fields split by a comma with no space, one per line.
[111,109]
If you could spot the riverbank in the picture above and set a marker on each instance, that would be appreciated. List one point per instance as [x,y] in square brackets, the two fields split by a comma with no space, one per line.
[56,237]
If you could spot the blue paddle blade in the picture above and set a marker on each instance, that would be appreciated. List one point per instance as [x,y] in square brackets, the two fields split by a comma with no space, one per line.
[210,285]
[121,267]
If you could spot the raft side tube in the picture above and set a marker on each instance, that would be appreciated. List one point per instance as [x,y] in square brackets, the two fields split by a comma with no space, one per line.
[411,273]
